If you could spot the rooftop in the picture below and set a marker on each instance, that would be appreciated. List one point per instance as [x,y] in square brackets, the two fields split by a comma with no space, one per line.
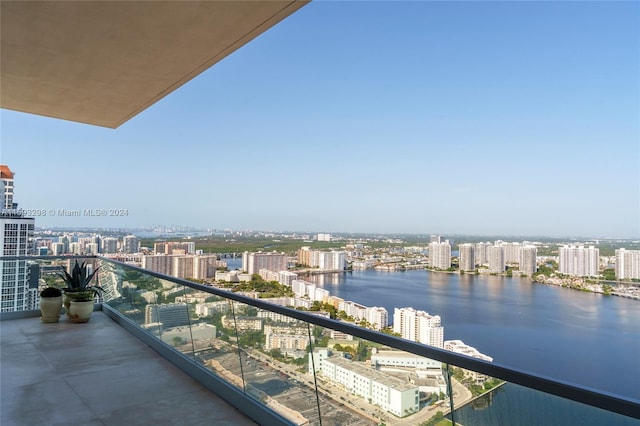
[66,373]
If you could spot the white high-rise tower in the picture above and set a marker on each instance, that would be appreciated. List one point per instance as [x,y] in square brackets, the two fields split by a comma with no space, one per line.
[16,233]
[579,261]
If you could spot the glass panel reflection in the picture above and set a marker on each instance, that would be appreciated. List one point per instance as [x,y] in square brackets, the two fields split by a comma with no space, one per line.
[274,353]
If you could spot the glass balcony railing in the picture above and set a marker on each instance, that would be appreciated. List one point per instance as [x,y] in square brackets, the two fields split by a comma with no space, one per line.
[296,367]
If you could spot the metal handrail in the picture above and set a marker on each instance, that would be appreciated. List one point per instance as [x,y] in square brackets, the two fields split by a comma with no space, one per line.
[586,395]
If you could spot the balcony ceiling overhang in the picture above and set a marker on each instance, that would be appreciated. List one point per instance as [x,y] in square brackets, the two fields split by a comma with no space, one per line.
[103,62]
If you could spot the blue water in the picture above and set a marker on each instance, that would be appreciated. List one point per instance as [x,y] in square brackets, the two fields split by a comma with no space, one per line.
[513,405]
[579,337]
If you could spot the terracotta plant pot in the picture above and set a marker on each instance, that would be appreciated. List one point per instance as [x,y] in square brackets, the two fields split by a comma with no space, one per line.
[50,308]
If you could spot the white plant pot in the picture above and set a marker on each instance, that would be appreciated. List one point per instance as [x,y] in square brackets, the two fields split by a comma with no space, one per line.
[80,311]
[66,301]
[50,308]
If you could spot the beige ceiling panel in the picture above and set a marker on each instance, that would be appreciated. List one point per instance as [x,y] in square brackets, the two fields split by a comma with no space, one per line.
[103,62]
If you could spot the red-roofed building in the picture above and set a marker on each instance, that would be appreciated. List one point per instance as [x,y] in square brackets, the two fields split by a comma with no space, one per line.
[6,187]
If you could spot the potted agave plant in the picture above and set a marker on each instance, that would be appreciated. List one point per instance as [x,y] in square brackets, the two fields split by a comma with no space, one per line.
[50,304]
[79,294]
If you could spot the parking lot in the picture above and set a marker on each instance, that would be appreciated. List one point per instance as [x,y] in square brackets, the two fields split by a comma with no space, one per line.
[263,381]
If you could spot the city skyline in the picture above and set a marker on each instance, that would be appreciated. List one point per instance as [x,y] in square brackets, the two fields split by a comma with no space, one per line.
[417,117]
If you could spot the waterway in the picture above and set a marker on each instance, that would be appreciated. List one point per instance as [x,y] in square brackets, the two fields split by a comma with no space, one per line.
[580,337]
[575,336]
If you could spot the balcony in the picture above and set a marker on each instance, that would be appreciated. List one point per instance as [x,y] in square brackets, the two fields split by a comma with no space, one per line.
[162,348]
[97,373]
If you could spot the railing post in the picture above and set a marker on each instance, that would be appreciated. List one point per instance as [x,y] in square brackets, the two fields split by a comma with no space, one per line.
[450,392]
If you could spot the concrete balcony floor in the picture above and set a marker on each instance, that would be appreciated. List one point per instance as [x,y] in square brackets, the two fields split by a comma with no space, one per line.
[97,374]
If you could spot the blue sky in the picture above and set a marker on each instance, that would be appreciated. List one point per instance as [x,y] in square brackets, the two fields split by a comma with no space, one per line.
[517,118]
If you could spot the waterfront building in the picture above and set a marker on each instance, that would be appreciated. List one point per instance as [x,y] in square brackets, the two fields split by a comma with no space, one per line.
[528,259]
[481,253]
[511,252]
[326,260]
[458,346]
[378,317]
[333,260]
[627,264]
[579,261]
[467,257]
[418,326]
[19,293]
[440,255]
[287,277]
[495,255]
[130,244]
[253,262]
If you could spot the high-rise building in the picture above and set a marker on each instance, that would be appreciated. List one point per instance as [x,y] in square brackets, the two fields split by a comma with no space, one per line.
[332,260]
[109,245]
[418,326]
[16,233]
[130,244]
[6,188]
[378,317]
[65,240]
[253,262]
[174,247]
[511,252]
[579,261]
[322,259]
[161,264]
[440,255]
[627,264]
[183,266]
[467,257]
[495,255]
[481,253]
[528,259]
